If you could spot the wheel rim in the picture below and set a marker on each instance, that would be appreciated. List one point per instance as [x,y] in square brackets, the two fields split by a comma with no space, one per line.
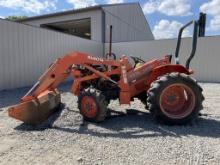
[89,107]
[177,101]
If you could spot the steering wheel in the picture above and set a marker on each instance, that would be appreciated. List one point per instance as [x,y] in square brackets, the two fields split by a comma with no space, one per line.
[137,60]
[111,54]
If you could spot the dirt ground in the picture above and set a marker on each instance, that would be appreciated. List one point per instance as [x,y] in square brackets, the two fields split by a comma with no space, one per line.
[131,137]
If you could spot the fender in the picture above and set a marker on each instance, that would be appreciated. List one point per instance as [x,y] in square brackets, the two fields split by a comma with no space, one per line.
[162,70]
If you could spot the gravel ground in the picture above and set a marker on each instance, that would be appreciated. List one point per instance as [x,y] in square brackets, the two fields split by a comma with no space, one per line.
[130,137]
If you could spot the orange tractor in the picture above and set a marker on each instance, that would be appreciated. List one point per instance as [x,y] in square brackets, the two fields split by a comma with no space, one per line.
[167,89]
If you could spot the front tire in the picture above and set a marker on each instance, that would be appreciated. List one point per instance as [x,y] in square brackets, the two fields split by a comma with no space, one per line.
[92,105]
[175,98]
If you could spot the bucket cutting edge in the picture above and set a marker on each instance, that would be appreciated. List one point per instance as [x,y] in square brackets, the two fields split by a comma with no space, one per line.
[38,110]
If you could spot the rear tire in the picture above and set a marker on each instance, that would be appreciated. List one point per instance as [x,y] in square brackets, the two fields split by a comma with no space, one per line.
[175,98]
[92,105]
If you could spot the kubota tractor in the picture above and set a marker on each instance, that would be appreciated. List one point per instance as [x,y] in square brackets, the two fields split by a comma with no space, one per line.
[167,90]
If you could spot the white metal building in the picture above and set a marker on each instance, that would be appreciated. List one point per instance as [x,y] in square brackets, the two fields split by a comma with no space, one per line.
[128,21]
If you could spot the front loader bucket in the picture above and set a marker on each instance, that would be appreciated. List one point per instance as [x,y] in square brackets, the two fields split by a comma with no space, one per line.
[38,110]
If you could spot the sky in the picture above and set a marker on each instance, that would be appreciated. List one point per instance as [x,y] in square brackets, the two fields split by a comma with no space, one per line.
[165,17]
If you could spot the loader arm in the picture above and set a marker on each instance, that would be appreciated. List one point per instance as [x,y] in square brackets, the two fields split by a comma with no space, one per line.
[43,98]
[61,69]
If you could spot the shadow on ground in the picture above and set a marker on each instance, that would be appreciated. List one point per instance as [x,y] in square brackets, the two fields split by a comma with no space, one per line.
[134,124]
[13,96]
[10,97]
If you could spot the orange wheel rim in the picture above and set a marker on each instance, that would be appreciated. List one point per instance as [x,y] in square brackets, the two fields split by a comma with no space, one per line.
[89,107]
[177,101]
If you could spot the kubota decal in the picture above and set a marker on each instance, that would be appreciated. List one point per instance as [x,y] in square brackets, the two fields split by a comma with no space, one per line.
[95,58]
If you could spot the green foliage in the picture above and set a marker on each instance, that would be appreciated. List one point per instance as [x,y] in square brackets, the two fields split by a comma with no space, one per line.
[16,18]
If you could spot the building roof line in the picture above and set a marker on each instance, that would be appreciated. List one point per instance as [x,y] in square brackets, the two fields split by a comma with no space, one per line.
[90,8]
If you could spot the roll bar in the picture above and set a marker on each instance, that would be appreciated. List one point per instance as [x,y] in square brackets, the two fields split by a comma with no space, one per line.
[198,26]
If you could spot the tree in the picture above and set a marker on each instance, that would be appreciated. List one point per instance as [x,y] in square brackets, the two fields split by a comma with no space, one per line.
[16,18]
